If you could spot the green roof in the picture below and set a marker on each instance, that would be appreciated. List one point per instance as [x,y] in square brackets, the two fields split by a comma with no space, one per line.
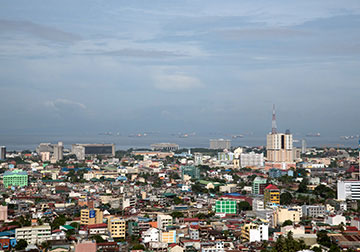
[68,227]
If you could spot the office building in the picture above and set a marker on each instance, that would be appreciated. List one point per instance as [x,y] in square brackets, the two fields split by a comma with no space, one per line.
[226,156]
[348,189]
[164,147]
[91,216]
[271,195]
[2,152]
[49,151]
[217,144]
[117,227]
[251,159]
[190,170]
[259,185]
[15,178]
[164,220]
[34,235]
[279,146]
[226,206]
[198,158]
[93,150]
[255,232]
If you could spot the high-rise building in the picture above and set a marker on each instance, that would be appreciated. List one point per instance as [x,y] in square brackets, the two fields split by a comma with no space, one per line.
[303,146]
[58,151]
[91,216]
[279,146]
[216,144]
[2,152]
[48,151]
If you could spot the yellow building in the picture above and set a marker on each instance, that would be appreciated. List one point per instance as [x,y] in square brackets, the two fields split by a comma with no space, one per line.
[168,237]
[91,216]
[283,214]
[117,227]
[271,195]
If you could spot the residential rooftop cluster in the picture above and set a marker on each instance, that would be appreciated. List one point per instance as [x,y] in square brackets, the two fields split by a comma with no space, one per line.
[91,198]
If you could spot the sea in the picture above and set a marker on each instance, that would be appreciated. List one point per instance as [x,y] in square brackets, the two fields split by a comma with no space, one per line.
[16,142]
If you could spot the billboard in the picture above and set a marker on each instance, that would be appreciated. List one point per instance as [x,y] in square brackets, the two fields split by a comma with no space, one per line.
[92,214]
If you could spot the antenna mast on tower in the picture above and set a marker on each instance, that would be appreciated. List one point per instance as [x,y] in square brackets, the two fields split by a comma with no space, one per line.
[274,127]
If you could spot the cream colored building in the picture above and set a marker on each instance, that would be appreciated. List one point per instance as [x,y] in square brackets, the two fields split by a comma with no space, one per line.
[91,216]
[34,235]
[164,220]
[283,214]
[168,237]
[117,227]
[279,147]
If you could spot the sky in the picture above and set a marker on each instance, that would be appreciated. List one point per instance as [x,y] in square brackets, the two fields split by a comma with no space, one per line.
[179,66]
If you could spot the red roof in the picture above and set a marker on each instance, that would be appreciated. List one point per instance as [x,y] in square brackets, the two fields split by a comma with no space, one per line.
[271,187]
[101,225]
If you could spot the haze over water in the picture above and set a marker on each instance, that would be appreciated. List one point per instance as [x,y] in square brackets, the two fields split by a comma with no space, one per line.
[123,142]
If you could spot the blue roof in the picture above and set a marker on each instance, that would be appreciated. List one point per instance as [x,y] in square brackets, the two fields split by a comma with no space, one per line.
[233,194]
[7,233]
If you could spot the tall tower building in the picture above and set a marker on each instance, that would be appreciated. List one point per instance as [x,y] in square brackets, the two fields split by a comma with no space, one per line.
[279,146]
[2,152]
[59,151]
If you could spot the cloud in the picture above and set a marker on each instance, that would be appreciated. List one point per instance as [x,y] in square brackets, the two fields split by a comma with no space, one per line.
[59,103]
[141,53]
[41,31]
[261,33]
[176,82]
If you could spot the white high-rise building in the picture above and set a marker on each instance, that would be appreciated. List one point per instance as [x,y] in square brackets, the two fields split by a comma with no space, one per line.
[279,146]
[348,189]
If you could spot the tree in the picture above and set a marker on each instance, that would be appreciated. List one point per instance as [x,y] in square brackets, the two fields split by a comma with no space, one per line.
[287,223]
[138,247]
[324,192]
[177,214]
[58,221]
[97,238]
[286,198]
[303,186]
[244,206]
[21,244]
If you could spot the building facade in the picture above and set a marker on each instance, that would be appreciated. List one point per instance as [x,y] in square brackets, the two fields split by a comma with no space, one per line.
[216,144]
[279,147]
[251,159]
[348,189]
[2,152]
[253,232]
[117,227]
[259,185]
[34,235]
[92,150]
[91,216]
[15,178]
[164,220]
[226,206]
[271,195]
